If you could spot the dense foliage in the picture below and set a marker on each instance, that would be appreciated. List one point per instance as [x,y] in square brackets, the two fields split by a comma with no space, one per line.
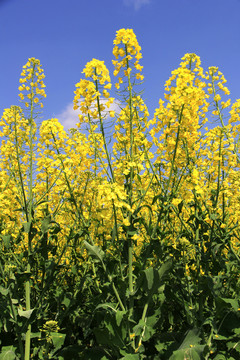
[120,238]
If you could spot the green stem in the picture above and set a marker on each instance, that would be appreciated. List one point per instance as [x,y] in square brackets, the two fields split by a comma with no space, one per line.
[97,153]
[30,217]
[102,131]
[117,235]
[170,175]
[129,238]
[221,119]
[28,307]
[114,287]
[19,170]
[144,315]
[175,149]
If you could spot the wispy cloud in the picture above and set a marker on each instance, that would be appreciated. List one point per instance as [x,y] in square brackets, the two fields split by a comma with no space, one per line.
[137,4]
[69,117]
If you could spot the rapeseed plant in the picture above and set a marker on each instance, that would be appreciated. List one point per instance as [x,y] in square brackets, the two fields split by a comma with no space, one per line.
[120,224]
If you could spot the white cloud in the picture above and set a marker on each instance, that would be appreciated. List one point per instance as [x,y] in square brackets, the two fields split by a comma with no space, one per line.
[69,117]
[136,3]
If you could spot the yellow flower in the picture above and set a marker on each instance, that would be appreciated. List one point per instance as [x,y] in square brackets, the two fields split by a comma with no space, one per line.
[217,97]
[127,47]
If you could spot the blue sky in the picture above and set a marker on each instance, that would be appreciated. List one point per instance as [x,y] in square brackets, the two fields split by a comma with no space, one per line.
[66,34]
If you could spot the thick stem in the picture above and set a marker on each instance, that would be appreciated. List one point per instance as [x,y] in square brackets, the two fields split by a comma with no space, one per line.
[129,237]
[28,307]
[30,217]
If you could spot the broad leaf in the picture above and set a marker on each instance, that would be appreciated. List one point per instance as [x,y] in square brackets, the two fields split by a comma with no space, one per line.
[8,353]
[94,250]
[25,313]
[57,339]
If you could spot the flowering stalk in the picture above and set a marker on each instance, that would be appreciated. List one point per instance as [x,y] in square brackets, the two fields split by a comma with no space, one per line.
[102,128]
[129,237]
[32,84]
[127,48]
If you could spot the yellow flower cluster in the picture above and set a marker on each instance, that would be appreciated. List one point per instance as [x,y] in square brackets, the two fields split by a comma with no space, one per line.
[235,112]
[97,70]
[214,87]
[158,173]
[127,48]
[177,123]
[32,85]
[9,219]
[89,95]
[141,154]
[15,129]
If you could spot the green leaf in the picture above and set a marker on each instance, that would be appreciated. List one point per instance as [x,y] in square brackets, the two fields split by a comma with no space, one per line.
[131,357]
[161,347]
[4,291]
[220,357]
[186,354]
[91,354]
[8,353]
[119,316]
[164,268]
[190,348]
[74,270]
[153,319]
[45,224]
[94,250]
[114,233]
[111,335]
[220,337]
[57,339]
[6,240]
[232,302]
[36,335]
[154,277]
[213,216]
[237,331]
[234,345]
[107,306]
[191,338]
[139,327]
[149,273]
[50,225]
[25,313]
[66,301]
[27,227]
